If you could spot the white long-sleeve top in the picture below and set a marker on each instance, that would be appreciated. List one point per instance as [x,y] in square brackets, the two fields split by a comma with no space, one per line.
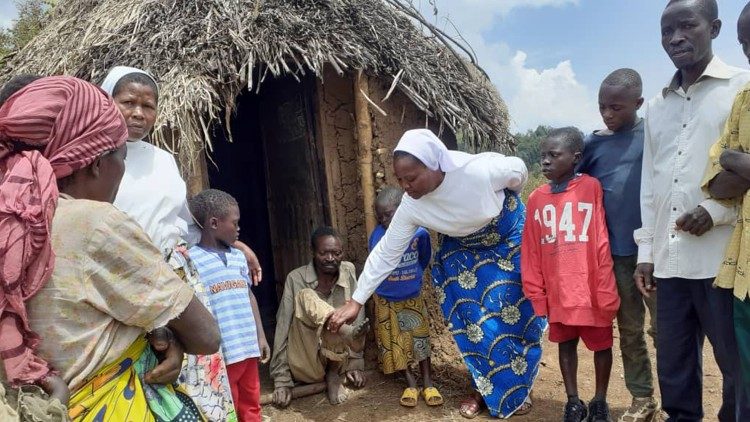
[680,128]
[153,193]
[467,200]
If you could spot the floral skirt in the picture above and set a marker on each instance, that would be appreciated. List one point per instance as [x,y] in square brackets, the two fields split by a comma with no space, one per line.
[478,283]
[402,333]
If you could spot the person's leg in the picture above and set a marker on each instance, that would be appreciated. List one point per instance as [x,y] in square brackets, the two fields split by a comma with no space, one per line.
[742,333]
[235,373]
[715,310]
[568,356]
[425,367]
[679,350]
[411,380]
[336,392]
[630,322]
[248,388]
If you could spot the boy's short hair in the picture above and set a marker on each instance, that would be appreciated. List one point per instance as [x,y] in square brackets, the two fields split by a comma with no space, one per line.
[627,78]
[211,203]
[389,195]
[571,137]
[322,231]
[709,8]
[15,84]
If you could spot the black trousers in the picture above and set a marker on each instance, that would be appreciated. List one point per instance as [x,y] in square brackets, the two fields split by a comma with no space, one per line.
[687,312]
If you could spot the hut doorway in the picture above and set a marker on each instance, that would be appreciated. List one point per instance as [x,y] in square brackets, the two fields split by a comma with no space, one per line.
[274,171]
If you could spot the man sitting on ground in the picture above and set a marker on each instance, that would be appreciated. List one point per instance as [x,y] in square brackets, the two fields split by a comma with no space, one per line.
[304,350]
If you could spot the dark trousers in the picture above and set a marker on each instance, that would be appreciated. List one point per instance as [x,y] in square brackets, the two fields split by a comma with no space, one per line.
[687,312]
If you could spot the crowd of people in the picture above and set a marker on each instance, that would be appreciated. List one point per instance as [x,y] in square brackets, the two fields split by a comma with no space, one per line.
[116,303]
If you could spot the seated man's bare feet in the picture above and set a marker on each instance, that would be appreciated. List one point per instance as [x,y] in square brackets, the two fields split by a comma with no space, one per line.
[337,393]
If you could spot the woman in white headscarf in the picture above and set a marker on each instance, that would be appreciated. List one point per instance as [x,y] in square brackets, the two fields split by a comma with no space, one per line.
[472,201]
[153,193]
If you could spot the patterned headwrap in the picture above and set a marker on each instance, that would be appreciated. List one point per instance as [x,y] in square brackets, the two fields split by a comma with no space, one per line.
[48,130]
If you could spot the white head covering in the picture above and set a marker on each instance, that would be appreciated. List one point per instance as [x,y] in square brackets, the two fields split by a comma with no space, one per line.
[431,151]
[117,73]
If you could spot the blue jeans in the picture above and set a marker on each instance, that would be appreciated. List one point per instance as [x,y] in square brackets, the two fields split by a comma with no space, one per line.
[687,312]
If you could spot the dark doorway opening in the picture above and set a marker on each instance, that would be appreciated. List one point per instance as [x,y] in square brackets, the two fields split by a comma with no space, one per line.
[273,169]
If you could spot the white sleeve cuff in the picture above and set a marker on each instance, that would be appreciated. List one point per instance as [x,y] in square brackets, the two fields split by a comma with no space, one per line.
[360,296]
[720,214]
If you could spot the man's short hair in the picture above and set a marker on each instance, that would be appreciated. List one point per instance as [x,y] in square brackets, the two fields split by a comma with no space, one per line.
[320,232]
[15,84]
[627,78]
[709,8]
[389,195]
[571,137]
[211,203]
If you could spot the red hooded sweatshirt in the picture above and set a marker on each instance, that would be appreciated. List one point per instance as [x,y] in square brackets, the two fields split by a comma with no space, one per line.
[566,265]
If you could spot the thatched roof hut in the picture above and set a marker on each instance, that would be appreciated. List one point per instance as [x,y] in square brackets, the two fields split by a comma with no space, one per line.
[314,93]
[206,52]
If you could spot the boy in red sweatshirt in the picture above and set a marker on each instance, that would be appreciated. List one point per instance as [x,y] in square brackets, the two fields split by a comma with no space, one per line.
[566,268]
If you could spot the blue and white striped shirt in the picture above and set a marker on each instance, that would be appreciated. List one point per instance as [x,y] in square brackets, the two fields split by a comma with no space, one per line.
[225,277]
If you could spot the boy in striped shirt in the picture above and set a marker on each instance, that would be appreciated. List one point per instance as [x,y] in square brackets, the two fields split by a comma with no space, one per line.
[224,273]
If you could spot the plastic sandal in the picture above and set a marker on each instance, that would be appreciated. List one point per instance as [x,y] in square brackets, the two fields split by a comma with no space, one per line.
[432,396]
[409,397]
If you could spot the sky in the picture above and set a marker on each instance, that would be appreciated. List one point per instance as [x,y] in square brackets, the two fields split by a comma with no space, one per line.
[548,57]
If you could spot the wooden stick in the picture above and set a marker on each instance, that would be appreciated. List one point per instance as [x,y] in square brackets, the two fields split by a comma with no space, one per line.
[364,141]
[297,392]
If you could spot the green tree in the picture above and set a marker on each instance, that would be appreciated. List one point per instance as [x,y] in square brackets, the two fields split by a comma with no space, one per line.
[32,15]
[528,146]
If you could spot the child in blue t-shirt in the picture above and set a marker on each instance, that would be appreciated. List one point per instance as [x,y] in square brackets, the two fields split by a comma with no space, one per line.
[225,276]
[613,156]
[402,329]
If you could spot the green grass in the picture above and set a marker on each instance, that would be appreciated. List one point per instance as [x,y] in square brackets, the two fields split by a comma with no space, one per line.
[536,179]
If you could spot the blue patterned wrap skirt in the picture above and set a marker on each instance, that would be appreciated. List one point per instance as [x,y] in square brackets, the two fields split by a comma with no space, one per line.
[478,283]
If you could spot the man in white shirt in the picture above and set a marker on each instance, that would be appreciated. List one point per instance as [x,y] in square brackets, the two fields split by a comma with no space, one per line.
[683,237]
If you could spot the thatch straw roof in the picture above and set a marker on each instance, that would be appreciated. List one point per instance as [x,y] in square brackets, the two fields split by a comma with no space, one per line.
[204,52]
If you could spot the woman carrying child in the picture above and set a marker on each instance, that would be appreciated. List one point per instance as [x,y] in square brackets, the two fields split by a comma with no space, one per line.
[472,201]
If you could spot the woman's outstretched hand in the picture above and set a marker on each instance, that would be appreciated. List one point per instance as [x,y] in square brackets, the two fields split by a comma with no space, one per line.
[344,315]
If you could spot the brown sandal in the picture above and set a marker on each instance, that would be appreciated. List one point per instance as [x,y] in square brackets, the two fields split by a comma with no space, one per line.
[525,408]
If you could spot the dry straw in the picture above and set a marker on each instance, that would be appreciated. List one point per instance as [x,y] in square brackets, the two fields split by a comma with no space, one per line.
[204,52]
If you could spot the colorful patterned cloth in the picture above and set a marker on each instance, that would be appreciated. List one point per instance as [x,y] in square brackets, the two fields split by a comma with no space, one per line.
[204,377]
[478,283]
[118,392]
[402,333]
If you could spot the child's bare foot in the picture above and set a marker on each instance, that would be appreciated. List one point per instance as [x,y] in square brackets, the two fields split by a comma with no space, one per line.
[337,393]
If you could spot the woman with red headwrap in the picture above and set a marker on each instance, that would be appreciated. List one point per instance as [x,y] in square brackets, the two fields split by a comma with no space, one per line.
[80,283]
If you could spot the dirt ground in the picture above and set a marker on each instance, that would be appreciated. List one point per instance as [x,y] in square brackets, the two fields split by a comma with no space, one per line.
[378,400]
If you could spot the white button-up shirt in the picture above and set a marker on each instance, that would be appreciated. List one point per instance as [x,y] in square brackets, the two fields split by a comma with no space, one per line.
[680,128]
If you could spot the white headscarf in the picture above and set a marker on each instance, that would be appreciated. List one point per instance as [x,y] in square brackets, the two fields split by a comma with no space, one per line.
[431,151]
[119,72]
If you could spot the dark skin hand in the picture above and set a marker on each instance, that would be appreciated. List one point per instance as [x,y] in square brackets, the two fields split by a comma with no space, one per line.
[644,278]
[728,185]
[696,221]
[734,181]
[282,396]
[170,353]
[355,378]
